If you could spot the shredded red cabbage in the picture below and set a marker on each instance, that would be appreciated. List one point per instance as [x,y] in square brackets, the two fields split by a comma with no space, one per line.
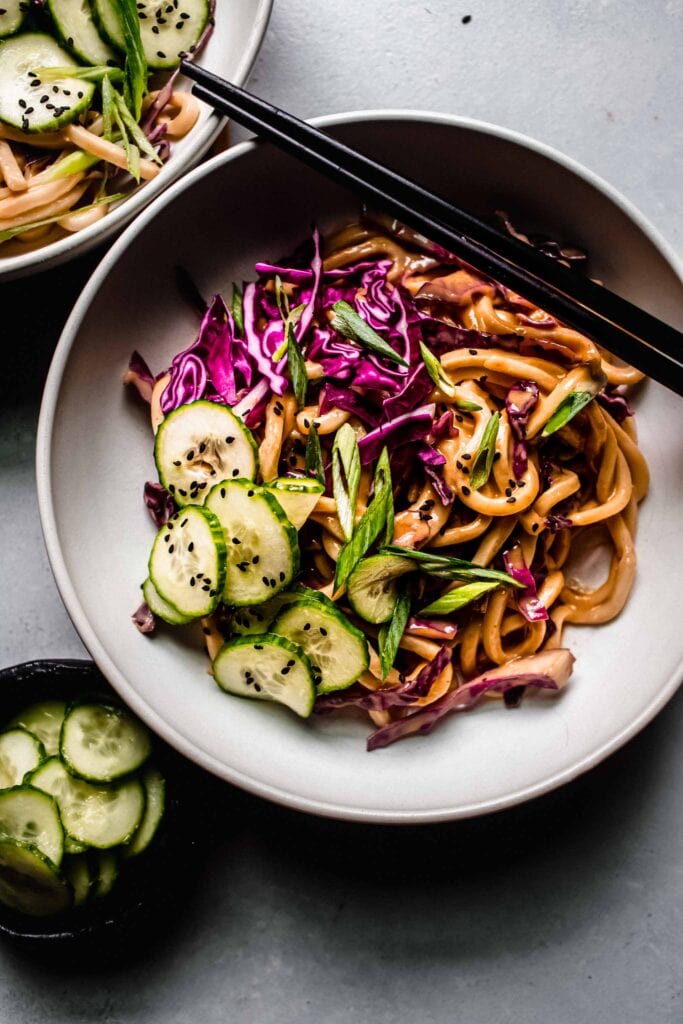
[548,670]
[528,601]
[617,405]
[521,399]
[412,426]
[402,695]
[158,503]
[143,619]
[140,376]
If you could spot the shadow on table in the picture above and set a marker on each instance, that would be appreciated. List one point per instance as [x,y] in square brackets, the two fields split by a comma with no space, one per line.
[417,895]
[35,310]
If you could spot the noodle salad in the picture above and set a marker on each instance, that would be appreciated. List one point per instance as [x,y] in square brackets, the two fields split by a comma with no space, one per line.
[88,106]
[375,468]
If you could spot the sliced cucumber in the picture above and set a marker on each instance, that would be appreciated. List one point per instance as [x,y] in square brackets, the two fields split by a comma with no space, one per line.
[199,444]
[31,816]
[267,667]
[298,497]
[20,753]
[169,29]
[372,587]
[155,804]
[72,847]
[261,544]
[12,14]
[258,618]
[29,882]
[77,870]
[102,742]
[44,720]
[161,608]
[337,650]
[187,564]
[22,102]
[107,873]
[100,816]
[78,32]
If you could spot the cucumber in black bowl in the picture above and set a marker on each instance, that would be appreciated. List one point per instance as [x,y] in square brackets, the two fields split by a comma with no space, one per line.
[65,732]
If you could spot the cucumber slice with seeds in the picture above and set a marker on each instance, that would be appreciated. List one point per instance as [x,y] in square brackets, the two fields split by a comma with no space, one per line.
[77,30]
[29,882]
[21,91]
[44,721]
[155,804]
[298,496]
[100,816]
[372,587]
[337,650]
[20,753]
[187,564]
[77,870]
[167,29]
[32,816]
[107,873]
[199,444]
[102,743]
[162,609]
[12,14]
[266,667]
[261,544]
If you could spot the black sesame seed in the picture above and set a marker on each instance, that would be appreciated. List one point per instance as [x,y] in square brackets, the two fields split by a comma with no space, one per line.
[190,455]
[190,546]
[236,540]
[282,577]
[161,54]
[22,103]
[202,447]
[179,24]
[467,456]
[167,537]
[177,462]
[496,456]
[256,559]
[212,593]
[155,30]
[307,627]
[473,351]
[258,647]
[285,671]
[80,95]
[257,687]
[458,463]
[222,492]
[229,440]
[323,631]
[182,492]
[508,491]
[307,423]
[511,501]
[459,418]
[192,581]
[534,528]
[291,663]
[250,494]
[55,89]
[236,472]
[206,631]
[265,581]
[184,522]
[466,491]
[171,549]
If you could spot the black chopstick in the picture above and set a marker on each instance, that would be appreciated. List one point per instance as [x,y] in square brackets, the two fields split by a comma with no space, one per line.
[627,331]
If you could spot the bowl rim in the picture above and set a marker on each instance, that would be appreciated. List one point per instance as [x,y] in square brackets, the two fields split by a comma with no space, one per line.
[76,611]
[81,242]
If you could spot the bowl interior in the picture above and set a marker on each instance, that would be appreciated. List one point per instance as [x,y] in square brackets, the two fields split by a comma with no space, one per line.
[95,452]
[230,52]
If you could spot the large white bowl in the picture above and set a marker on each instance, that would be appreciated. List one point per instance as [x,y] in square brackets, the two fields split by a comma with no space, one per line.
[95,451]
[230,52]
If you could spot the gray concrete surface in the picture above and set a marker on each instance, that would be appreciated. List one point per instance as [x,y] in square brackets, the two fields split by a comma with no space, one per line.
[568,910]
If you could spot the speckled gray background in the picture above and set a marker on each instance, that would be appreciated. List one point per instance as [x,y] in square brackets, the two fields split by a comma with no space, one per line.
[568,910]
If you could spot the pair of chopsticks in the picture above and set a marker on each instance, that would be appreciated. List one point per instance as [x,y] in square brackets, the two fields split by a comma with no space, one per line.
[630,333]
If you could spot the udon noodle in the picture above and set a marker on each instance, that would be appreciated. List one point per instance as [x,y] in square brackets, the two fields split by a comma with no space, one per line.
[545,495]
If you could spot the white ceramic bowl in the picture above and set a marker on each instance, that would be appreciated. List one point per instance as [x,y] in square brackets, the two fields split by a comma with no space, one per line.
[230,52]
[95,451]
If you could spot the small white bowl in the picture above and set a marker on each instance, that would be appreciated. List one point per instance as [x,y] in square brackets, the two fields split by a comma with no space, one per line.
[230,52]
[95,452]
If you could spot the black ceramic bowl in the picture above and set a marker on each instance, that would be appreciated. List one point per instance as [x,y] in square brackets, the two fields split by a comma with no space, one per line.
[151,887]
